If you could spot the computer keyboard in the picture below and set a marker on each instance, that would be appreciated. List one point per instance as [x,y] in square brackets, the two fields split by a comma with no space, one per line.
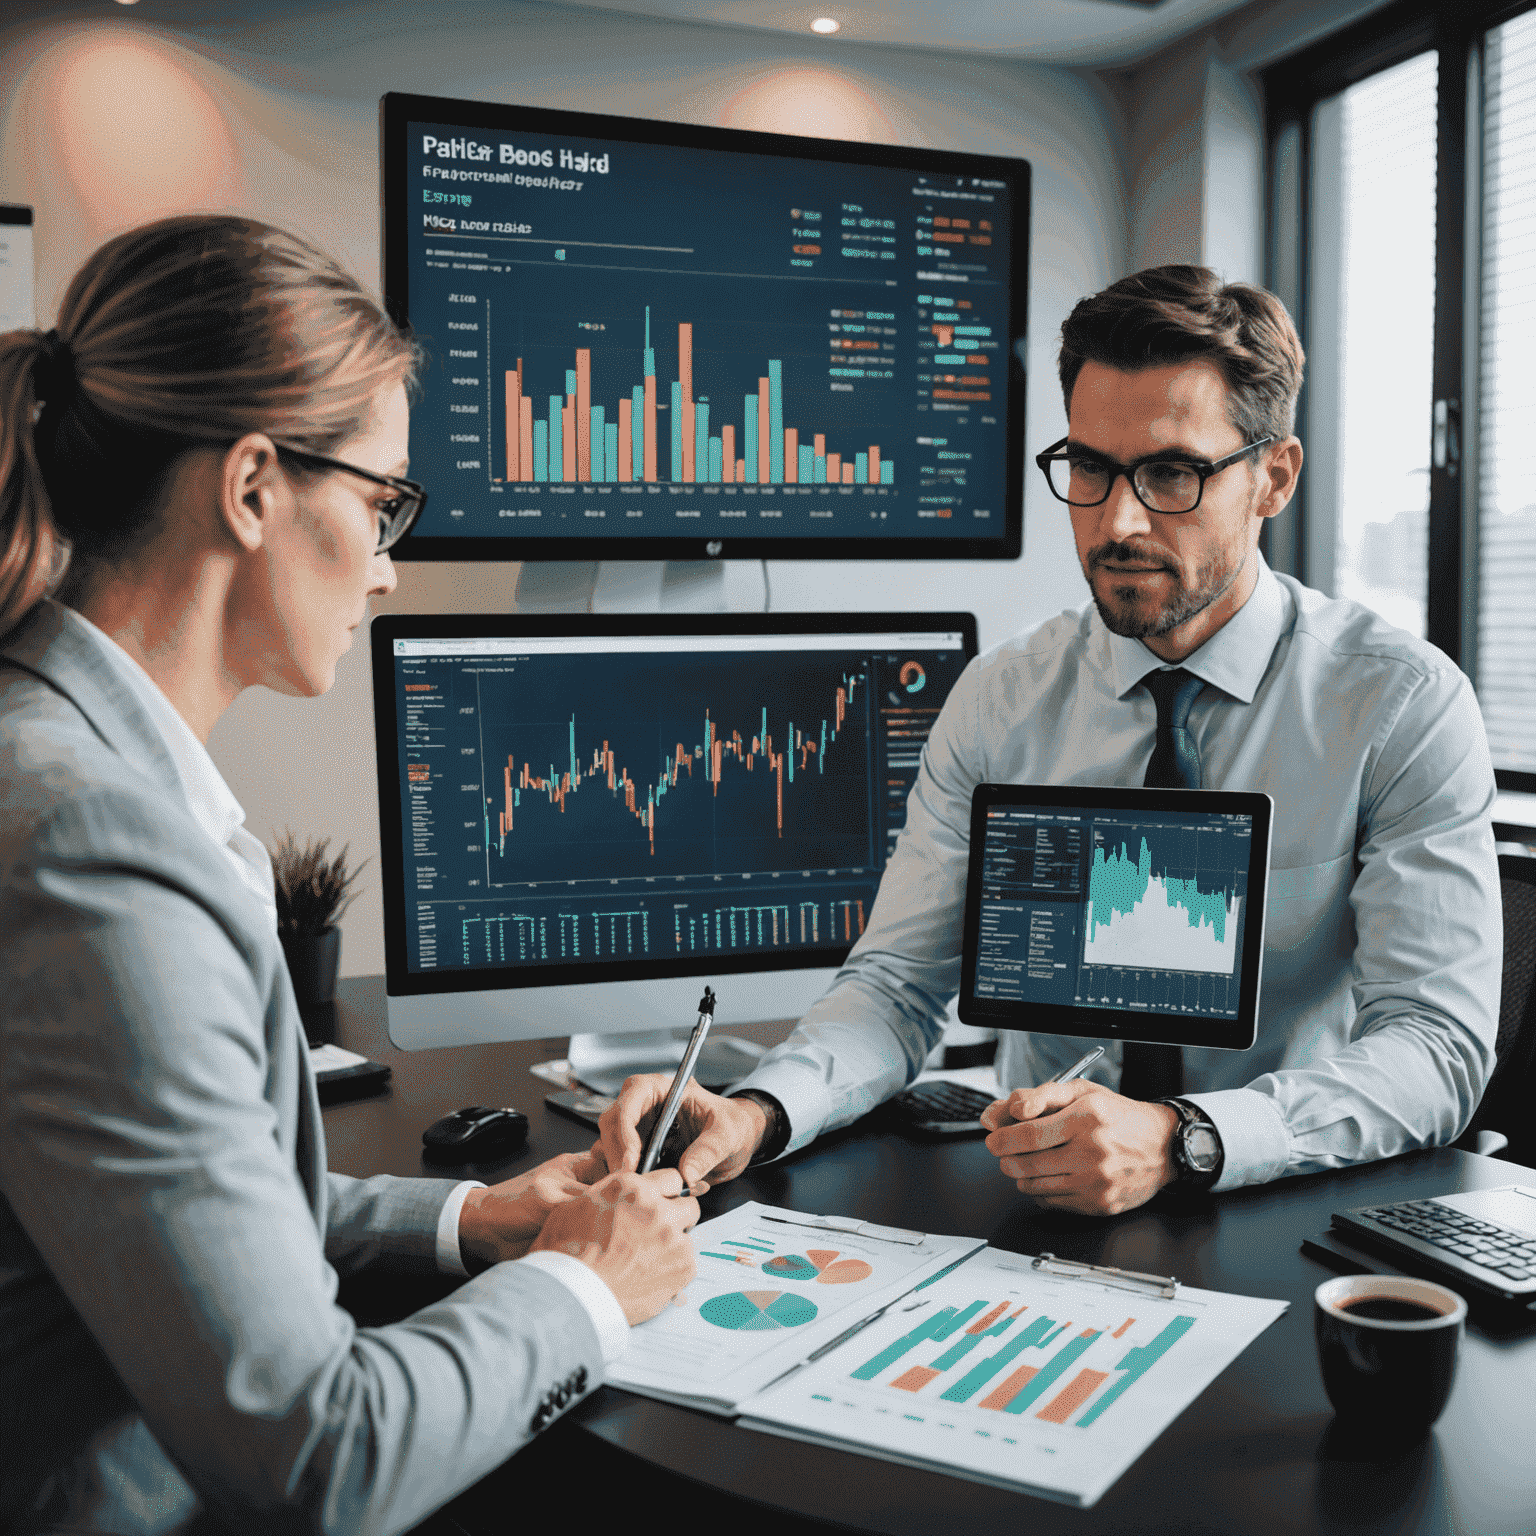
[1487,1253]
[941,1107]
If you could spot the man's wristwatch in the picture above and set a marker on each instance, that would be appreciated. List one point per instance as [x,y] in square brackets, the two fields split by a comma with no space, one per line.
[776,1137]
[1197,1151]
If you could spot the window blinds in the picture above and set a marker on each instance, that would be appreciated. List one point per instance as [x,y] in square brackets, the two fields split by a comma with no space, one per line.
[1506,489]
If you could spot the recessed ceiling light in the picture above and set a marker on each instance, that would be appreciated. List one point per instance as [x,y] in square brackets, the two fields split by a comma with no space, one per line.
[825,24]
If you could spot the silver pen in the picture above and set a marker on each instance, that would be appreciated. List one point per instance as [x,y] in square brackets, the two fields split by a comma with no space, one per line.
[680,1082]
[1078,1067]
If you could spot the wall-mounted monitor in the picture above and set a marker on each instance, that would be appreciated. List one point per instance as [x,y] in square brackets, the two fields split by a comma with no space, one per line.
[583,816]
[652,341]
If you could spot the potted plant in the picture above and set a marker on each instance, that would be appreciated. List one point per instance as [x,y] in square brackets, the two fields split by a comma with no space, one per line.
[313,890]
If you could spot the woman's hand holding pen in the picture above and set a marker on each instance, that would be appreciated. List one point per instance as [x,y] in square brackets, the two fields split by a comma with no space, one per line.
[722,1134]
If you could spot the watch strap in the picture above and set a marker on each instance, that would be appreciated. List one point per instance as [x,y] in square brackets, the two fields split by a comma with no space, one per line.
[776,1137]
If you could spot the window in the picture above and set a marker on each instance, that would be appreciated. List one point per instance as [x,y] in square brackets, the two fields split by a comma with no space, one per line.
[1403,235]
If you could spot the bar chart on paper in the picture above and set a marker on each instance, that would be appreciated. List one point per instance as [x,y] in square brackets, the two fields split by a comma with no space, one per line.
[1017,1377]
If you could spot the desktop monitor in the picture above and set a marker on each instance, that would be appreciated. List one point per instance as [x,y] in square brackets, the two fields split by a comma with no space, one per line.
[584,817]
[1116,913]
[652,341]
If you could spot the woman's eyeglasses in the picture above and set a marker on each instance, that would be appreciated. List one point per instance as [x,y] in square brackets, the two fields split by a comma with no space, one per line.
[397,516]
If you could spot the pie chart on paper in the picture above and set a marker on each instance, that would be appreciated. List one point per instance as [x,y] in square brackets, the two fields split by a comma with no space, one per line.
[818,1264]
[757,1311]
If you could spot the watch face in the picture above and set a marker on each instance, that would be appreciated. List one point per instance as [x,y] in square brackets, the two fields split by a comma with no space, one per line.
[1202,1148]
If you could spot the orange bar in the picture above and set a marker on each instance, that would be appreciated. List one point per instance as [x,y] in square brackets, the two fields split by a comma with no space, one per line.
[762,432]
[860,905]
[874,464]
[915,1379]
[1072,1396]
[568,438]
[847,474]
[626,439]
[728,454]
[741,471]
[1000,1397]
[834,469]
[685,376]
[820,448]
[514,421]
[1123,1326]
[778,763]
[525,441]
[583,413]
[715,767]
[791,455]
[507,771]
[984,1322]
[650,426]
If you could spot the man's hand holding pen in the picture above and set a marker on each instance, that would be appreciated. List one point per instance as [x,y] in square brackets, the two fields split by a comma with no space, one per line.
[720,1134]
[1079,1146]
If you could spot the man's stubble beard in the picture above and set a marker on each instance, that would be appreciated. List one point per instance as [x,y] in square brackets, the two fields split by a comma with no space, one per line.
[1212,582]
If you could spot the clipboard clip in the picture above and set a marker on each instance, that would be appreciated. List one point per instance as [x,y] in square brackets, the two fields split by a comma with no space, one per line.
[1127,1279]
[853,1227]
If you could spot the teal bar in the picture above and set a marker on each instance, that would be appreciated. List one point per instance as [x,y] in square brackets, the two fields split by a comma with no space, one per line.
[893,1352]
[541,450]
[968,1341]
[573,751]
[984,1370]
[820,476]
[749,439]
[570,381]
[611,452]
[762,734]
[637,431]
[677,429]
[599,445]
[716,461]
[556,471]
[1034,1389]
[807,465]
[861,469]
[1138,1360]
[701,441]
[789,751]
[821,756]
[887,472]
[775,421]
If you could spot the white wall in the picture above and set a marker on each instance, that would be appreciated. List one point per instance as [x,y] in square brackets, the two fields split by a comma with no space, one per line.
[108,119]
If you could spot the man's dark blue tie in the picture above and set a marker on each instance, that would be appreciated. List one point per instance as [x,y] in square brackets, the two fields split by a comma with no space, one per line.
[1157,1071]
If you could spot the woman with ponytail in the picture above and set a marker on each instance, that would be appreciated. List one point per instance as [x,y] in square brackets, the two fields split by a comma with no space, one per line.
[200,478]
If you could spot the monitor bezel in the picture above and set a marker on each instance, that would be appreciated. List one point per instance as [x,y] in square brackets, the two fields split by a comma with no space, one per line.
[1236,1034]
[399,108]
[387,628]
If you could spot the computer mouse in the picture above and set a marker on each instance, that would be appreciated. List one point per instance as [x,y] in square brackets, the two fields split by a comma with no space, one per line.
[476,1133]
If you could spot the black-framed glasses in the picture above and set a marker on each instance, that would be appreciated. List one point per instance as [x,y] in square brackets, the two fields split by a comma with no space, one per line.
[397,516]
[1163,482]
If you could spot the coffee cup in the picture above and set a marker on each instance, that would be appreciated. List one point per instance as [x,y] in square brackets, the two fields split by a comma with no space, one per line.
[1388,1346]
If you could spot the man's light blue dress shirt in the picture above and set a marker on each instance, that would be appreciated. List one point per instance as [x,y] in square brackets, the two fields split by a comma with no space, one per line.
[1384,939]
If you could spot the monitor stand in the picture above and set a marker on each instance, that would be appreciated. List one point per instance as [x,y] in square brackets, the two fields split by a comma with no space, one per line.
[602,1062]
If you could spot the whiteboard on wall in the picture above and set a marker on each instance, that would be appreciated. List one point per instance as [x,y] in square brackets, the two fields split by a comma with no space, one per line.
[16,305]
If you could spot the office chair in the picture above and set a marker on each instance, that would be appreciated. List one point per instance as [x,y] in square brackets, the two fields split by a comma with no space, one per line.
[1503,1123]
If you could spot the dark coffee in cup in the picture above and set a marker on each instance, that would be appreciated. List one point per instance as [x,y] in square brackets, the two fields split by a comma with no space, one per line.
[1388,1346]
[1390,1309]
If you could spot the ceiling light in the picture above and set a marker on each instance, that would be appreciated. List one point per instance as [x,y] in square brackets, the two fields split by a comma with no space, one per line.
[825,25]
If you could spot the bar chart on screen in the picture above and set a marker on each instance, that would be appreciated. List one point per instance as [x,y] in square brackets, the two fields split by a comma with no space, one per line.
[1009,1375]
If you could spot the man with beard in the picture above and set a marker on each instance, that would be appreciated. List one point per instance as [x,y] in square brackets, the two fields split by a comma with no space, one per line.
[1196,665]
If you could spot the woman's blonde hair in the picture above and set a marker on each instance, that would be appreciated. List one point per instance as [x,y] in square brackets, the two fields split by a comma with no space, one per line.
[188,332]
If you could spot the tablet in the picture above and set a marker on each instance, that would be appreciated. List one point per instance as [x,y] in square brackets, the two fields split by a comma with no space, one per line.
[1119,914]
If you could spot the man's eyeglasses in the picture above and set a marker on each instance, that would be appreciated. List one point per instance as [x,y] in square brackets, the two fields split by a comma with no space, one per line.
[397,516]
[1163,482]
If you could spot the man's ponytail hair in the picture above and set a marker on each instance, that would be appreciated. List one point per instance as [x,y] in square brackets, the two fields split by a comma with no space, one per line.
[188,332]
[1179,314]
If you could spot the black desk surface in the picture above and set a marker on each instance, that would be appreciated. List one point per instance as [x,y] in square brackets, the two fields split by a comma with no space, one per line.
[1256,1452]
